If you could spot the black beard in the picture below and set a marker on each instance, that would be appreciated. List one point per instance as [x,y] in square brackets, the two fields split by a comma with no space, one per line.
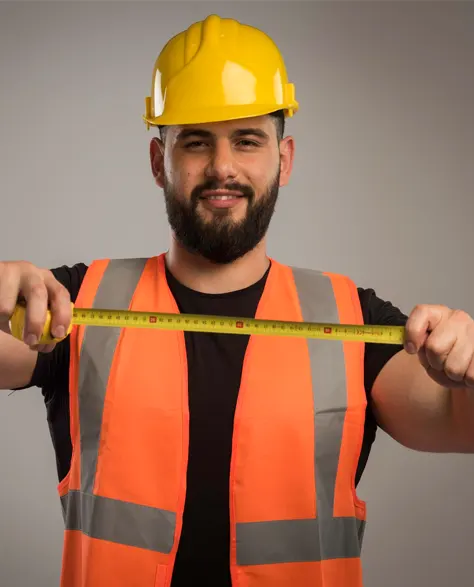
[221,240]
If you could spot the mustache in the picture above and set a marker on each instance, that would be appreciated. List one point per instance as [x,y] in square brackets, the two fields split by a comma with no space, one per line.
[212,184]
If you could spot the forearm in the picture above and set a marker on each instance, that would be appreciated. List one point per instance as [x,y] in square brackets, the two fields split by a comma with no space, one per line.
[17,362]
[418,412]
[461,416]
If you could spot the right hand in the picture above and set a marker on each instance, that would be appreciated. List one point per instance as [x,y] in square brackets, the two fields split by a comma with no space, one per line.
[42,292]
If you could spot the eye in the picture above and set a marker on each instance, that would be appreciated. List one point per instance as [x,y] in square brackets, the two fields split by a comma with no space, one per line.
[195,145]
[248,143]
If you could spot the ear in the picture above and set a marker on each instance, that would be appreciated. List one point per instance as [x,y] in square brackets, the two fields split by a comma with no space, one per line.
[157,150]
[287,153]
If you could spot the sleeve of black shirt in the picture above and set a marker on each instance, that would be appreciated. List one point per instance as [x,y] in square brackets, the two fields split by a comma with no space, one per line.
[51,368]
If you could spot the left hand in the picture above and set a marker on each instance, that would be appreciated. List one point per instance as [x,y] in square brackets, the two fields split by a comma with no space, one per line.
[444,341]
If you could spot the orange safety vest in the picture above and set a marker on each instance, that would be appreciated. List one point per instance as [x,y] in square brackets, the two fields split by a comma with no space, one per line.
[298,429]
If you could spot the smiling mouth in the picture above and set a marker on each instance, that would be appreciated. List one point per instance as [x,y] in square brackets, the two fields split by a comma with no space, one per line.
[222,198]
[220,195]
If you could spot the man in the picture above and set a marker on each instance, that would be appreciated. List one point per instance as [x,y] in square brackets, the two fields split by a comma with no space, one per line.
[207,459]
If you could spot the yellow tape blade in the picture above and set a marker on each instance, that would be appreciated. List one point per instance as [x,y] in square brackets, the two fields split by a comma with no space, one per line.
[235,325]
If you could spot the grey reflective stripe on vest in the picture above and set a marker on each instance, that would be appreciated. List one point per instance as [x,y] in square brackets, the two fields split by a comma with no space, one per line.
[97,516]
[119,521]
[296,541]
[326,537]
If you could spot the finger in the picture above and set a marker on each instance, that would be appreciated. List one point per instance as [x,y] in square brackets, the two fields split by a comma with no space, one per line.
[9,288]
[422,320]
[35,293]
[459,359]
[60,306]
[45,348]
[423,358]
[469,376]
[440,343]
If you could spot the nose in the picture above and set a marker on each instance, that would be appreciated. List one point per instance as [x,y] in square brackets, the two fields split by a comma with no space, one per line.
[222,165]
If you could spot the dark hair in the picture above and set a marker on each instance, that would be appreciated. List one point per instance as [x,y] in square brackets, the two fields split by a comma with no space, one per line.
[278,118]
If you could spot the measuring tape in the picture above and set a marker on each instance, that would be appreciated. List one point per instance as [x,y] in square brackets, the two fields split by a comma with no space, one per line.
[215,325]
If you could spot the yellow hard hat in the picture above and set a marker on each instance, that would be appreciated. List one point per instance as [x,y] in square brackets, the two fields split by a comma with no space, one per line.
[218,69]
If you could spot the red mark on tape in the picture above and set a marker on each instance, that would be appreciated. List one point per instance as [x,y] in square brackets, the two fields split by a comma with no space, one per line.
[327,330]
[239,324]
[152,319]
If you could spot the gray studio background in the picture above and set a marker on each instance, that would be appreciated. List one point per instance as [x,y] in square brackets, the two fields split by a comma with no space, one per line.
[382,190]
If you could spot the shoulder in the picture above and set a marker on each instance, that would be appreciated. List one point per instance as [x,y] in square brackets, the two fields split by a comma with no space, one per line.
[71,277]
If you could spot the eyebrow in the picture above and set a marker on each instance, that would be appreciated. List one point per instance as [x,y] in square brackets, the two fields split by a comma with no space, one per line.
[256,132]
[193,132]
[197,132]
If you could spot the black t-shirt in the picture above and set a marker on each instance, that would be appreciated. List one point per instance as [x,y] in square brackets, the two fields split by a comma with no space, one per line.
[203,554]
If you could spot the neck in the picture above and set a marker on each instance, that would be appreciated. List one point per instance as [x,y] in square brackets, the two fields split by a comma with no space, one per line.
[201,275]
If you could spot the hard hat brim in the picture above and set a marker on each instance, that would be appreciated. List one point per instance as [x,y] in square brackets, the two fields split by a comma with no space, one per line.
[213,114]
